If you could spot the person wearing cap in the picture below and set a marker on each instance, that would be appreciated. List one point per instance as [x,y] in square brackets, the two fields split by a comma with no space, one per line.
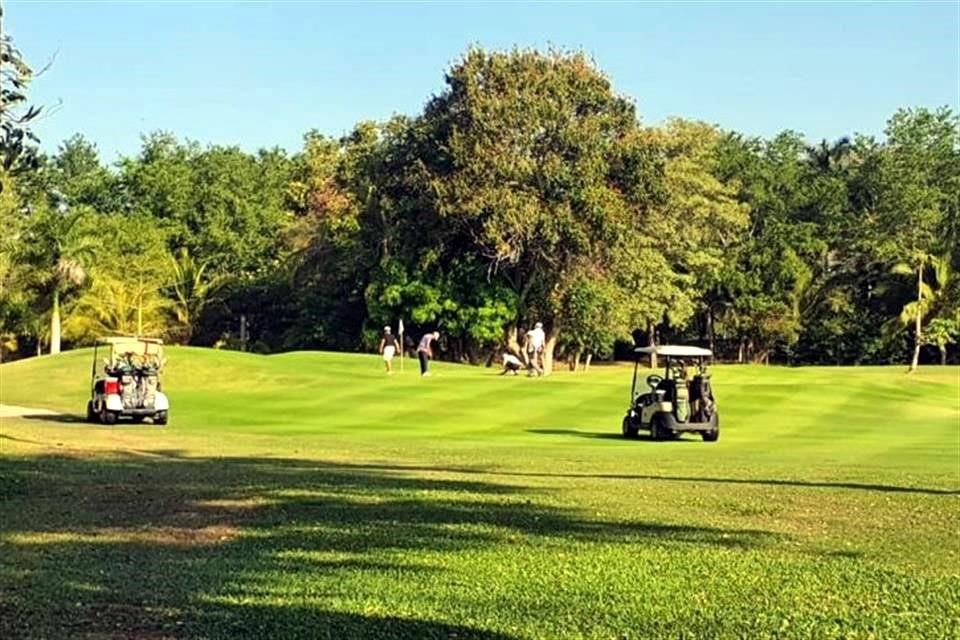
[388,348]
[425,351]
[536,339]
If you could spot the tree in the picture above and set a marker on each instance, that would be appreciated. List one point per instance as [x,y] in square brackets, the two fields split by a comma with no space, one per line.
[128,277]
[522,173]
[58,247]
[80,179]
[17,150]
[701,216]
[193,289]
[14,296]
[931,301]
[942,332]
[918,189]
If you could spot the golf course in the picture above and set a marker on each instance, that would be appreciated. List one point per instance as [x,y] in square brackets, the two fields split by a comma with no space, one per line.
[309,495]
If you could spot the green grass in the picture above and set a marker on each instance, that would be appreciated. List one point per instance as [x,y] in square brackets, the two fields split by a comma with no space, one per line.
[308,495]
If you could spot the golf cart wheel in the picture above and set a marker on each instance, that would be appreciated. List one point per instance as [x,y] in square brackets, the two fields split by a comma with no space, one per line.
[160,418]
[658,428]
[91,414]
[627,428]
[108,417]
[714,434]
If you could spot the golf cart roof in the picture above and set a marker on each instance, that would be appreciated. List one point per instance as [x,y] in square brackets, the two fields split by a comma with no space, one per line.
[128,340]
[675,350]
[132,344]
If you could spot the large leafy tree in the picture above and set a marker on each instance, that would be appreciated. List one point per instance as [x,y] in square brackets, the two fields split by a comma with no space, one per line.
[695,226]
[918,195]
[77,177]
[522,171]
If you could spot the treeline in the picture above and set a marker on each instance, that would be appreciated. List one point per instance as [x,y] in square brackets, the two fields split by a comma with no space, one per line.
[527,190]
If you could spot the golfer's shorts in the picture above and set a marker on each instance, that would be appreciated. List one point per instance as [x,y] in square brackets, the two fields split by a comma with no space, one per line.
[388,353]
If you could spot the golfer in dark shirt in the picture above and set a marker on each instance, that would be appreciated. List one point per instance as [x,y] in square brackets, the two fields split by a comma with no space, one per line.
[388,348]
[425,351]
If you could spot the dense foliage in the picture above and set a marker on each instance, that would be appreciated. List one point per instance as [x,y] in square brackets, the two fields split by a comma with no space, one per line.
[527,190]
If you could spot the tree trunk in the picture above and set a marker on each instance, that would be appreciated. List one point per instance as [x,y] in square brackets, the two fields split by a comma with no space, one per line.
[711,335]
[918,327]
[55,324]
[549,348]
[740,351]
[575,360]
[140,310]
[652,333]
[586,365]
[513,344]
[943,355]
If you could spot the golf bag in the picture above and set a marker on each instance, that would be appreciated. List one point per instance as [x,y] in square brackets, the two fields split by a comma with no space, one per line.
[138,381]
[701,398]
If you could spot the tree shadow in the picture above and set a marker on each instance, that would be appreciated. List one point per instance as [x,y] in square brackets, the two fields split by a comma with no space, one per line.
[883,488]
[155,544]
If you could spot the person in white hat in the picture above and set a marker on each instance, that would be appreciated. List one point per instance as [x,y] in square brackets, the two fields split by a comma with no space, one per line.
[388,348]
[536,339]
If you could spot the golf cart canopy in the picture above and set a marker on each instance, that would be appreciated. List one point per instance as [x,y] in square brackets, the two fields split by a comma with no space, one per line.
[131,344]
[676,351]
[120,345]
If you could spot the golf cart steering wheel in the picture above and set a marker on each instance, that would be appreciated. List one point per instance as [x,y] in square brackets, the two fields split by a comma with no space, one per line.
[654,380]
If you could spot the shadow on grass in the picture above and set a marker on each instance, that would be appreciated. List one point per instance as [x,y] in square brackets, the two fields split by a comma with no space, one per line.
[576,432]
[70,418]
[600,435]
[61,418]
[883,488]
[157,545]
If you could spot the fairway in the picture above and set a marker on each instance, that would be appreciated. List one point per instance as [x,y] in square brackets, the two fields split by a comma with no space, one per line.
[309,495]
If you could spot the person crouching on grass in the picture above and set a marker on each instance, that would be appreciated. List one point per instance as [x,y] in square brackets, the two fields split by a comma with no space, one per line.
[388,348]
[425,351]
[511,364]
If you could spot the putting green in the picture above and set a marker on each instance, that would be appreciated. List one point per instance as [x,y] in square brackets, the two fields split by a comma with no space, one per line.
[310,495]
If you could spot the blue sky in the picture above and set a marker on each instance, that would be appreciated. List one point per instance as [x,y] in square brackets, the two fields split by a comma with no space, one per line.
[261,74]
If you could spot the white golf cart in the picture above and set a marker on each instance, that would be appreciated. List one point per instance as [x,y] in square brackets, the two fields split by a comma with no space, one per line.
[130,384]
[677,401]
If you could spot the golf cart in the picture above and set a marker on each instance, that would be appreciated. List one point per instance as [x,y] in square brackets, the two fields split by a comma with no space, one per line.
[677,402]
[130,384]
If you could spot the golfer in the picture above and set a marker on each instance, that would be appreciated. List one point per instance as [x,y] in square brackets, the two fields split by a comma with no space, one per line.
[536,339]
[388,348]
[425,351]
[511,364]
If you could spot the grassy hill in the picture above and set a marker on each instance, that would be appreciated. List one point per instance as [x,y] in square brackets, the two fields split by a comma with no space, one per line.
[309,495]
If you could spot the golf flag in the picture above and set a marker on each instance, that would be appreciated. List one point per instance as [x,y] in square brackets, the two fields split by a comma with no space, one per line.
[400,331]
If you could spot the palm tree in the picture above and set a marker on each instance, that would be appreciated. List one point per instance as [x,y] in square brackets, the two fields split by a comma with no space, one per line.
[59,247]
[930,295]
[192,289]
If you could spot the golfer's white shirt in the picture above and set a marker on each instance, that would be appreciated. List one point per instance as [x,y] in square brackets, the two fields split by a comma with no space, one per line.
[537,339]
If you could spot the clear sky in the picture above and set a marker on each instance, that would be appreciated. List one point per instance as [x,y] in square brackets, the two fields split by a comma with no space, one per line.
[262,73]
